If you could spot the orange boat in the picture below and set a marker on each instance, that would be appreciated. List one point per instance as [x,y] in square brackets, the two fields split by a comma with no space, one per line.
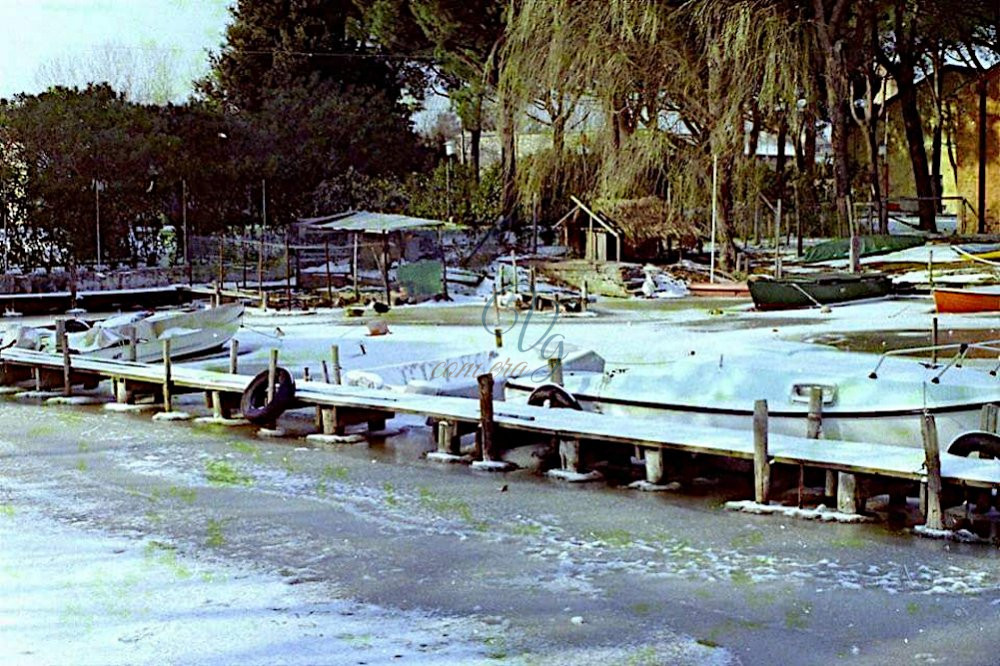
[720,289]
[967,300]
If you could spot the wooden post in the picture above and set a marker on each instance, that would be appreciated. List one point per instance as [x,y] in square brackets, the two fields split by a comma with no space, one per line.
[498,337]
[848,498]
[798,222]
[218,294]
[222,262]
[385,267]
[234,351]
[761,464]
[777,240]
[288,274]
[988,418]
[217,411]
[486,415]
[930,268]
[260,272]
[496,303]
[556,371]
[354,268]
[655,471]
[326,373]
[933,518]
[447,440]
[513,264]
[132,342]
[272,374]
[335,363]
[167,401]
[585,296]
[813,429]
[532,278]
[934,340]
[329,277]
[63,345]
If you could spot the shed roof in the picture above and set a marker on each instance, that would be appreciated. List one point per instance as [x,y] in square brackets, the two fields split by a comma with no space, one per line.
[372,223]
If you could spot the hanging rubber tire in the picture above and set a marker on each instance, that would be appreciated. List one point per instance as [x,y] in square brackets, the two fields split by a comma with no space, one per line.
[254,405]
[976,441]
[555,396]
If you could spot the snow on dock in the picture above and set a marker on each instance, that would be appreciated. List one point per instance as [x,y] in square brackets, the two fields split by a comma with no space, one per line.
[342,406]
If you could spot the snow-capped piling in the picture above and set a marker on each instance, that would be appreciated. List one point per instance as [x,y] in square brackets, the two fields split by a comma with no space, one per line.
[167,398]
[234,350]
[761,464]
[932,511]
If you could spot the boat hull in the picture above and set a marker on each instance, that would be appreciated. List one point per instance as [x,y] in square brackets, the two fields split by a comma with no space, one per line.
[898,428]
[190,334]
[966,301]
[785,294]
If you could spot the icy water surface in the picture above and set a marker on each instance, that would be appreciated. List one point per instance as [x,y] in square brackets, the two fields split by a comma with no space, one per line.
[555,574]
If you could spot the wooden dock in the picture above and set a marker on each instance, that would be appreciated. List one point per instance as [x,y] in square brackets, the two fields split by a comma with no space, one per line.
[857,469]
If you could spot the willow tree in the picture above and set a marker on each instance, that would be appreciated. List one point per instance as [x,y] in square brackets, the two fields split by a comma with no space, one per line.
[676,80]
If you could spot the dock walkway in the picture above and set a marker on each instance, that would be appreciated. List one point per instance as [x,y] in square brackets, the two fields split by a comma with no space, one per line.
[347,405]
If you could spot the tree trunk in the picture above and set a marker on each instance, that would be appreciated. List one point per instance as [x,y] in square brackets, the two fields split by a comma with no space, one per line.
[724,231]
[805,161]
[910,112]
[508,161]
[558,134]
[475,139]
[779,164]
[936,139]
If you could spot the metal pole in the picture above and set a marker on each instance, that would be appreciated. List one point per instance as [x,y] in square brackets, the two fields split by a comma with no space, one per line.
[184,219]
[97,215]
[715,175]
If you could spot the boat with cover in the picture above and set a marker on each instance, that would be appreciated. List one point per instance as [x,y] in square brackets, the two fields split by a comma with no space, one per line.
[811,290]
[865,397]
[191,332]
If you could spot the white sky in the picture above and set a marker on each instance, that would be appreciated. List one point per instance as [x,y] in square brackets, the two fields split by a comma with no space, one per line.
[34,32]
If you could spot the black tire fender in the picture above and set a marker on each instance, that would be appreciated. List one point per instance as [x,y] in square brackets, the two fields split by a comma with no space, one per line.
[254,405]
[553,395]
[975,441]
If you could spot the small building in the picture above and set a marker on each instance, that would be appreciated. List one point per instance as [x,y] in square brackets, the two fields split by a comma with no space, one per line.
[964,92]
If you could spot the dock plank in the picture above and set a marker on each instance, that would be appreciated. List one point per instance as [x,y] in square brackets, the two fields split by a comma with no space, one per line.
[851,457]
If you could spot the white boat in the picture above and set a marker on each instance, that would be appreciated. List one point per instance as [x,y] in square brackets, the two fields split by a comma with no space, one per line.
[190,331]
[865,397]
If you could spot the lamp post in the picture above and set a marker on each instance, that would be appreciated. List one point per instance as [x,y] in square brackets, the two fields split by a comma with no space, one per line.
[98,188]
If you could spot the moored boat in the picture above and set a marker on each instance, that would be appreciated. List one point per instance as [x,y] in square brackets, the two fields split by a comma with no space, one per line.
[812,290]
[864,398]
[719,289]
[982,299]
[190,331]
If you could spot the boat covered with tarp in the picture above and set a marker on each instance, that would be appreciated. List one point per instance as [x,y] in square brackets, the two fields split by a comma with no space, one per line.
[869,246]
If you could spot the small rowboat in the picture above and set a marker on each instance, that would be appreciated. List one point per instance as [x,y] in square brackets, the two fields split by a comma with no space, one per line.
[967,300]
[720,289]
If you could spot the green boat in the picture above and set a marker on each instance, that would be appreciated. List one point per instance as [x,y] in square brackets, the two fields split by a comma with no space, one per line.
[868,246]
[812,290]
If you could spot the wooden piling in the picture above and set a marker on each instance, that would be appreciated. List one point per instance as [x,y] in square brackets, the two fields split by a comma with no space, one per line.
[988,418]
[655,470]
[584,297]
[556,371]
[814,428]
[848,498]
[132,342]
[486,424]
[933,518]
[498,337]
[335,363]
[62,343]
[272,374]
[234,351]
[761,464]
[167,398]
[329,276]
[934,340]
[288,274]
[326,372]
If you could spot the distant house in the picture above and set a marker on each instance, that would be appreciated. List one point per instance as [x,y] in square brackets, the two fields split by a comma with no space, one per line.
[962,89]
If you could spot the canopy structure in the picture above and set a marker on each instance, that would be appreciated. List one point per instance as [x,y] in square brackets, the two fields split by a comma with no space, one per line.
[374,223]
[381,224]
